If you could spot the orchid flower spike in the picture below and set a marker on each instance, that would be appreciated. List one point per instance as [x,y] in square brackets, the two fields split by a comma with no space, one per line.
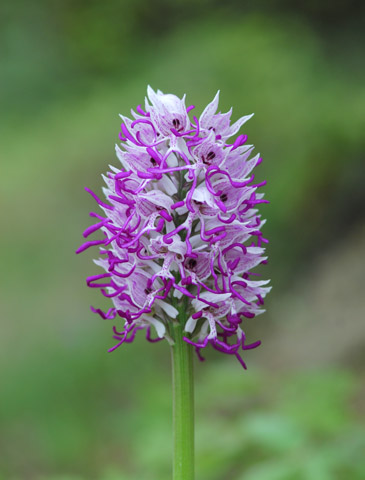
[181,228]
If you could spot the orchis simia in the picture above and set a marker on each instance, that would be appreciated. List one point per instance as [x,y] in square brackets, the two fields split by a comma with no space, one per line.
[181,234]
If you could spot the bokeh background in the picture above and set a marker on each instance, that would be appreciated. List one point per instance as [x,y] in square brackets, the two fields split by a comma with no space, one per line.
[68,409]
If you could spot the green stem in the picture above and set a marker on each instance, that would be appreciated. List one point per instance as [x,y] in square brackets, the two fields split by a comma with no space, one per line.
[183,404]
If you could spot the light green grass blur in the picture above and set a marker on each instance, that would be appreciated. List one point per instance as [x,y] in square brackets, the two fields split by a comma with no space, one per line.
[68,409]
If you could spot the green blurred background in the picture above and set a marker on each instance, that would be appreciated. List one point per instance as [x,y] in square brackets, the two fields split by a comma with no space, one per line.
[68,409]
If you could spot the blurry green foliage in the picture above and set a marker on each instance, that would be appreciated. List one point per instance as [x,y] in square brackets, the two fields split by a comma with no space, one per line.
[69,411]
[256,431]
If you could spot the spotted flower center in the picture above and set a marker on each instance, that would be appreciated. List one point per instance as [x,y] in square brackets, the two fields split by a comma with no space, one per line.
[191,264]
[176,124]
[208,159]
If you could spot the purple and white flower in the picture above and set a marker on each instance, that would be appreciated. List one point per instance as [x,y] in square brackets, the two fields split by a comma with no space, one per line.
[181,229]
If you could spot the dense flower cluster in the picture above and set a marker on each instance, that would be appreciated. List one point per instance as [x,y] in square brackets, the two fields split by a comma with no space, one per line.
[181,227]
